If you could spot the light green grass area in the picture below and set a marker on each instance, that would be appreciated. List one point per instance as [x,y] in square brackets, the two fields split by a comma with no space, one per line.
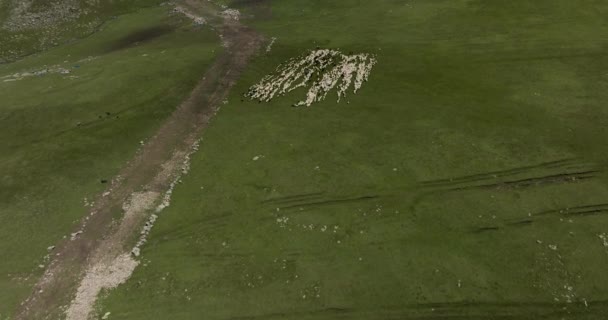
[63,133]
[511,95]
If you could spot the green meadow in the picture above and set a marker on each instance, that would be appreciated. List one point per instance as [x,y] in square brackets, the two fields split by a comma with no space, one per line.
[466,180]
[62,134]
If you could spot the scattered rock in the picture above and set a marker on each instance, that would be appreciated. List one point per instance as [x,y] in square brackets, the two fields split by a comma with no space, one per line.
[604,238]
[74,235]
[269,47]
[232,14]
[196,19]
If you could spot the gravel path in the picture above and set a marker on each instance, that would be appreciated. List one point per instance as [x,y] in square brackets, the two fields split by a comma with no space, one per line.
[100,251]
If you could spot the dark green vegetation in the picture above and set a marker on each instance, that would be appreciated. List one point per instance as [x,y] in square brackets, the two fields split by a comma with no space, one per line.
[62,134]
[465,181]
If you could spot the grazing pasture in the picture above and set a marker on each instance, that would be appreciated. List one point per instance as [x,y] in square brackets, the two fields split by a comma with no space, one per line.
[466,179]
[71,117]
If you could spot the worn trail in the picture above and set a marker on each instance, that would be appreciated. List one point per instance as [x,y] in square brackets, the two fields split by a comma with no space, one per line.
[98,255]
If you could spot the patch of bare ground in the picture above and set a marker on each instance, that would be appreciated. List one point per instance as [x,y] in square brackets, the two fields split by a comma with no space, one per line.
[99,253]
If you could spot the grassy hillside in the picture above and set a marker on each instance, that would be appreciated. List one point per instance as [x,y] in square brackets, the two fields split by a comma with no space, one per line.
[465,180]
[30,26]
[72,116]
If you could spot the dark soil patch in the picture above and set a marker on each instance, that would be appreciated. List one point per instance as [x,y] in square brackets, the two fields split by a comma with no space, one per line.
[140,36]
[260,9]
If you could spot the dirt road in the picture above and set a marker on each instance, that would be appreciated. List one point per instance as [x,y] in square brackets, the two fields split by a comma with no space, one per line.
[101,241]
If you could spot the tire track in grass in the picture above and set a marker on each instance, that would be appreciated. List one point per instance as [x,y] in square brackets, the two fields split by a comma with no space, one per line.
[565,171]
[573,212]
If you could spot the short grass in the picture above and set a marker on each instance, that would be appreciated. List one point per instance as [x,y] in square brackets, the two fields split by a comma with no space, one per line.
[61,136]
[461,88]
